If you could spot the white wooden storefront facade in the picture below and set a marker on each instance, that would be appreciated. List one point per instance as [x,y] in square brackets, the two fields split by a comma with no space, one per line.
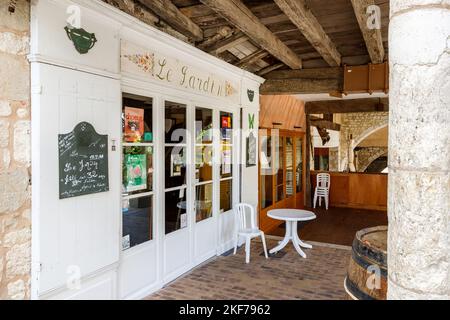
[83,234]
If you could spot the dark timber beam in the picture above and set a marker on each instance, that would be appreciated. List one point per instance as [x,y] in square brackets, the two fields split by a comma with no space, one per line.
[268,69]
[347,106]
[320,80]
[248,60]
[302,17]
[329,125]
[227,43]
[372,37]
[169,12]
[243,18]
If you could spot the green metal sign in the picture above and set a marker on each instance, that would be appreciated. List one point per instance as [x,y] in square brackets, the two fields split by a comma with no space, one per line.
[82,40]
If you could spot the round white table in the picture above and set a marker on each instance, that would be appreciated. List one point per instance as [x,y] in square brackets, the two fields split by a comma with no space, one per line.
[292,217]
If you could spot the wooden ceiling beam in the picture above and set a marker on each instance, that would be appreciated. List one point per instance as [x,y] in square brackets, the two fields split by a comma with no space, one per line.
[227,43]
[326,124]
[269,69]
[372,37]
[248,60]
[169,12]
[302,17]
[319,80]
[347,106]
[242,17]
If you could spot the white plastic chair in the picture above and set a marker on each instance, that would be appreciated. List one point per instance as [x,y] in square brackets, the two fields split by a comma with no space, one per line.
[322,189]
[246,227]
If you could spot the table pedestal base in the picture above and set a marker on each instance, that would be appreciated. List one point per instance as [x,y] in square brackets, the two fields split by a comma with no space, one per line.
[291,234]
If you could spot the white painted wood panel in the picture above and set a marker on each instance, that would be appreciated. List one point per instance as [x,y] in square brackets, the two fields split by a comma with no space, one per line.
[81,231]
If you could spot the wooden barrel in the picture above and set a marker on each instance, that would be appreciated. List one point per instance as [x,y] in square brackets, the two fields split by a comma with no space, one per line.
[367,272]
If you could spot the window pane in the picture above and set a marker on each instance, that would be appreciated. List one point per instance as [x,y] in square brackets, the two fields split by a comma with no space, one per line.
[176,216]
[266,172]
[279,168]
[137,119]
[203,163]
[137,175]
[175,167]
[137,221]
[299,164]
[226,195]
[175,122]
[203,202]
[226,163]
[226,128]
[289,166]
[203,125]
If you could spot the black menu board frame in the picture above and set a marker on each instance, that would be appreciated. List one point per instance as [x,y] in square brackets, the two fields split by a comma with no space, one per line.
[83,162]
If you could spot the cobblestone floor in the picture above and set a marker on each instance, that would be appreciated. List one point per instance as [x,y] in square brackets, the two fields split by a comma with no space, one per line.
[288,277]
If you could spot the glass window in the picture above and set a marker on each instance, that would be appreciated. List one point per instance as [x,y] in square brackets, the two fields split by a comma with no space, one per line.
[176,214]
[203,201]
[226,161]
[203,145]
[137,170]
[175,167]
[279,168]
[299,163]
[289,166]
[175,122]
[266,171]
[137,217]
[226,196]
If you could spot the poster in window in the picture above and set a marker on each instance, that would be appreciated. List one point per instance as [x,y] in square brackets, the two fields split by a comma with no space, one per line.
[134,124]
[136,172]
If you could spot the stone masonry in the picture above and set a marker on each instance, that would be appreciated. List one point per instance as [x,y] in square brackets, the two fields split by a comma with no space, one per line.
[419,144]
[15,152]
[366,156]
[360,125]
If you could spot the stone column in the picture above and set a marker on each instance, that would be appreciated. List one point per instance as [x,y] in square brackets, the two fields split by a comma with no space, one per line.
[419,150]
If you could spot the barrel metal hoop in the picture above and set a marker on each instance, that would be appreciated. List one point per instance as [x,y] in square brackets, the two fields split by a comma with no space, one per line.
[364,250]
[366,264]
[353,288]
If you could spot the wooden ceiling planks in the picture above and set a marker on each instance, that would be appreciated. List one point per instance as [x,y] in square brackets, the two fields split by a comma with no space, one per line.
[337,18]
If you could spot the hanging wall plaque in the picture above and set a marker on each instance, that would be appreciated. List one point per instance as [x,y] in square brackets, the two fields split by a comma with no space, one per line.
[251,150]
[251,95]
[83,162]
[82,40]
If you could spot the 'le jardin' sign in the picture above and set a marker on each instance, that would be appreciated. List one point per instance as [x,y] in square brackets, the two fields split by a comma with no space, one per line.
[135,59]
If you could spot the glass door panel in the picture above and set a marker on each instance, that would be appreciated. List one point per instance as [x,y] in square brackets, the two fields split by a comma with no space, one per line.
[203,164]
[299,164]
[266,172]
[175,167]
[226,161]
[289,167]
[137,170]
[279,166]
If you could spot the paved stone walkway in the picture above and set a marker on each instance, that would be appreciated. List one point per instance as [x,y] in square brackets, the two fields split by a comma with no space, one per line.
[288,277]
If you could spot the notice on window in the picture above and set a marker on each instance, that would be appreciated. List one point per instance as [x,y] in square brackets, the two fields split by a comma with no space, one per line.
[135,175]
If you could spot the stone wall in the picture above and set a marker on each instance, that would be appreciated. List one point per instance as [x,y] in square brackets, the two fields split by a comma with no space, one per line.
[365,156]
[360,125]
[15,152]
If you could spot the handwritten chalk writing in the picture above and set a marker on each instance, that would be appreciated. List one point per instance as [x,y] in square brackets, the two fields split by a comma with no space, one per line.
[83,159]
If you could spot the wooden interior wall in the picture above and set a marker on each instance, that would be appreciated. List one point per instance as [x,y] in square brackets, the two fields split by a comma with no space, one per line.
[284,109]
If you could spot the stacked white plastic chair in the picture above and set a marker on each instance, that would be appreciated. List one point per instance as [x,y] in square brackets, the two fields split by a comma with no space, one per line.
[246,227]
[322,189]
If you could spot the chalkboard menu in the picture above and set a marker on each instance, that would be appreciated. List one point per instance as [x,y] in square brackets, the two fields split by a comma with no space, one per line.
[83,162]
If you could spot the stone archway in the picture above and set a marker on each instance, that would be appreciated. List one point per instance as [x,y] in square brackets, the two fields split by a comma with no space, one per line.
[360,126]
[365,163]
